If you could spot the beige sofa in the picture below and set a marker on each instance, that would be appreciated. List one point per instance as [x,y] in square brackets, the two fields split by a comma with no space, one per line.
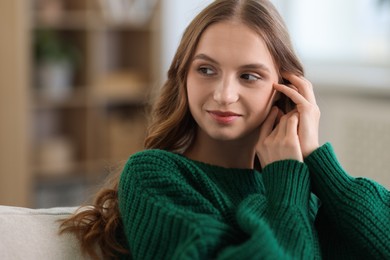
[33,234]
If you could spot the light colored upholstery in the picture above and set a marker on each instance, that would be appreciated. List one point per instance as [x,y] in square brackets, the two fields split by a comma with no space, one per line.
[33,234]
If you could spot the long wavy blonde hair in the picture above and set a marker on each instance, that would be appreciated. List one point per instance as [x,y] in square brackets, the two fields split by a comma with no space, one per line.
[172,127]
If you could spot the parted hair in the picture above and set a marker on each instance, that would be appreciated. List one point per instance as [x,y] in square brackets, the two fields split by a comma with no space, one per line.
[172,127]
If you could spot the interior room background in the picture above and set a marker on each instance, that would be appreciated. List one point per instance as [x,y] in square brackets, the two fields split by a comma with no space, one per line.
[75,77]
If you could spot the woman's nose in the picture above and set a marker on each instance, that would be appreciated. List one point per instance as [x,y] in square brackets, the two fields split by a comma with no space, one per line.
[226,91]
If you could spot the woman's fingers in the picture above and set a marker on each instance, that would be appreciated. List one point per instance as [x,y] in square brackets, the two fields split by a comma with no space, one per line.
[294,95]
[283,124]
[280,142]
[269,123]
[292,125]
[308,111]
[305,88]
[293,135]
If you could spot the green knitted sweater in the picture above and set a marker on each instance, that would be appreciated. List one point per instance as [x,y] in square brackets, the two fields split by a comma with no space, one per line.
[176,208]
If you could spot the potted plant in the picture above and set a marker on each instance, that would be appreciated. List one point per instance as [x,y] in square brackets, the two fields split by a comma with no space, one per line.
[56,62]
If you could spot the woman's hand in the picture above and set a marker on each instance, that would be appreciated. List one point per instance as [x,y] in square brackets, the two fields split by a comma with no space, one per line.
[301,93]
[280,142]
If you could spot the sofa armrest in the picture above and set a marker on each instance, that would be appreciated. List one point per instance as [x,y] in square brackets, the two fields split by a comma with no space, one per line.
[34,234]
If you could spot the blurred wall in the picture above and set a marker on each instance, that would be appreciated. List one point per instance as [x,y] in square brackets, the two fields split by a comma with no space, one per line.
[175,16]
[345,48]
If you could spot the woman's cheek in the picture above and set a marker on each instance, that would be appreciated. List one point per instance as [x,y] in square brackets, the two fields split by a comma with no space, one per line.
[261,105]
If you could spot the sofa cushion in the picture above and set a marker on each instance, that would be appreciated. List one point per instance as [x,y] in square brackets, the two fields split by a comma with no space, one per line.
[33,234]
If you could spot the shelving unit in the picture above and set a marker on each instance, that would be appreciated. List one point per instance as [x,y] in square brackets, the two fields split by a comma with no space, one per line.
[92,123]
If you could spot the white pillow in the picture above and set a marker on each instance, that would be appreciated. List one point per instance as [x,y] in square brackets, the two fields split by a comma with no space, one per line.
[33,234]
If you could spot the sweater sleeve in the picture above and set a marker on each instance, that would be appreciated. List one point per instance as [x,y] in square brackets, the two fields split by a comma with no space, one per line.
[278,223]
[166,217]
[354,211]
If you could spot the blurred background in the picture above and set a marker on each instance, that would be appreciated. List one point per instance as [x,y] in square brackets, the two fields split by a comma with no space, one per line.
[75,79]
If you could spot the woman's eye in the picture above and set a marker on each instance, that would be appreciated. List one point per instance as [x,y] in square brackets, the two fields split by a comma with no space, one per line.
[206,71]
[249,77]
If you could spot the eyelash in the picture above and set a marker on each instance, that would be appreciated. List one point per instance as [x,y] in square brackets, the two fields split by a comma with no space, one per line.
[250,75]
[204,71]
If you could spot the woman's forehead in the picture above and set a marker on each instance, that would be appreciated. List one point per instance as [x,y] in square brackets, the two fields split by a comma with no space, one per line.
[234,42]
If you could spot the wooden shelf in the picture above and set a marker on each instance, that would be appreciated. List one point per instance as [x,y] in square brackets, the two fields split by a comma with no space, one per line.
[60,171]
[100,122]
[74,137]
[92,170]
[71,20]
[77,99]
[98,22]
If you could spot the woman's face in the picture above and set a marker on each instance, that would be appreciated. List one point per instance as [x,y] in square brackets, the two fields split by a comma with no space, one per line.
[229,82]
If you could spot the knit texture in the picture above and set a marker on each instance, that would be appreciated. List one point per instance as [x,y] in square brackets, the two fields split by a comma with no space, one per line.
[176,208]
[354,219]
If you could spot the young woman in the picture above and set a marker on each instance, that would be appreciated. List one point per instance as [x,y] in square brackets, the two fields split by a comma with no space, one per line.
[230,167]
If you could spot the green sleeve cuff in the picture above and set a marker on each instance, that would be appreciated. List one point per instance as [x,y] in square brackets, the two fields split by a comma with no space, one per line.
[287,182]
[326,171]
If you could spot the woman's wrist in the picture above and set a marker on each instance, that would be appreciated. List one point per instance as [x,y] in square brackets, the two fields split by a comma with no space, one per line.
[310,149]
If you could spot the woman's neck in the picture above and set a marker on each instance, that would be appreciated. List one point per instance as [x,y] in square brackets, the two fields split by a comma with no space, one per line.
[229,154]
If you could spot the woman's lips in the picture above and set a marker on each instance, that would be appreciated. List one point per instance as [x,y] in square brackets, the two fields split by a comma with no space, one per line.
[223,117]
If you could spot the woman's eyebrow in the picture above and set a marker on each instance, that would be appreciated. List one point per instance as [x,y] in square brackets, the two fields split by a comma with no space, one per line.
[259,66]
[202,56]
[256,66]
